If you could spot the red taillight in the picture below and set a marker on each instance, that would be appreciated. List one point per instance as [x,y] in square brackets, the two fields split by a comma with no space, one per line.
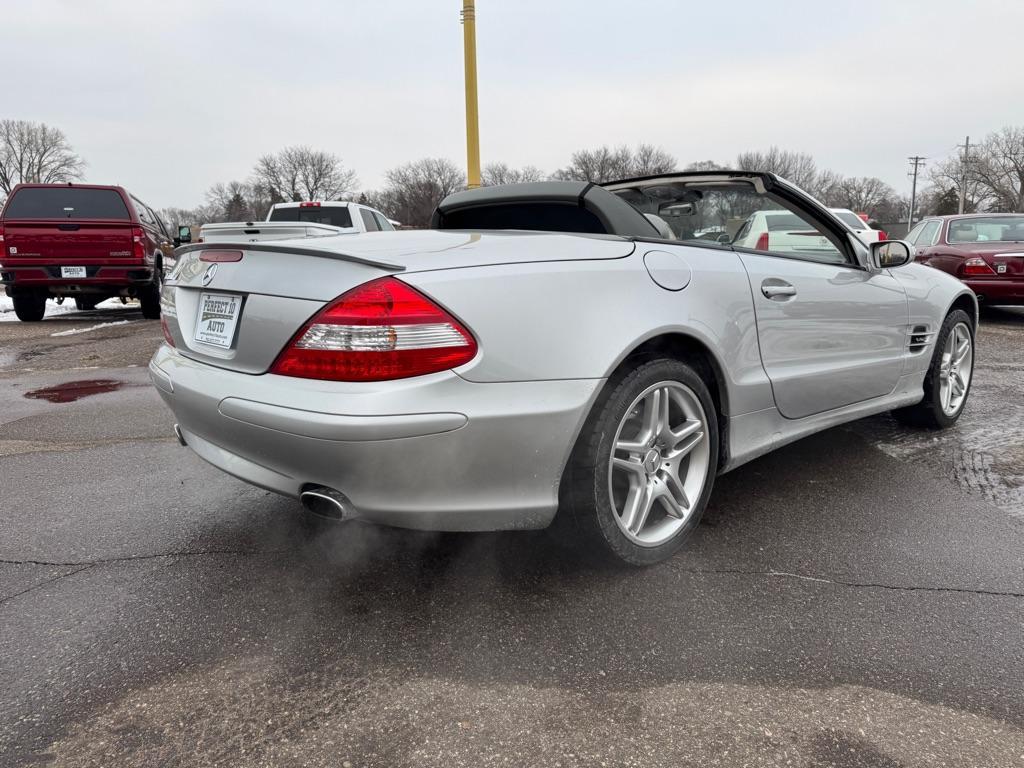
[762,242]
[309,205]
[138,243]
[166,329]
[976,266]
[378,331]
[221,256]
[3,245]
[882,235]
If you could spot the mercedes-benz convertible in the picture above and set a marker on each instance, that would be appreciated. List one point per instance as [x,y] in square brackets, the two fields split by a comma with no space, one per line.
[555,349]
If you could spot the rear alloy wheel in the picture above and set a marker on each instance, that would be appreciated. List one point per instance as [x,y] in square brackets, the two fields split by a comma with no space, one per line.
[149,297]
[948,381]
[29,307]
[643,470]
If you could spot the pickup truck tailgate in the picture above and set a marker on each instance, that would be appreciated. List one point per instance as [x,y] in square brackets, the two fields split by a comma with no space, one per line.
[67,242]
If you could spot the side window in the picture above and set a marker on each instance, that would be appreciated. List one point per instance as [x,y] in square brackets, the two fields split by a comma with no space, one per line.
[368,221]
[912,234]
[383,223]
[927,235]
[144,214]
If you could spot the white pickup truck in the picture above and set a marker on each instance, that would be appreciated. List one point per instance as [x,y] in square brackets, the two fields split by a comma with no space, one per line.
[287,221]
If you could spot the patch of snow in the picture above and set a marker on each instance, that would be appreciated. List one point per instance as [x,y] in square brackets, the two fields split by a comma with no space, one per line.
[54,309]
[73,331]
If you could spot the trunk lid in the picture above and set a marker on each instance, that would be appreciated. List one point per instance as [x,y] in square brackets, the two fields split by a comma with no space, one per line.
[240,314]
[1006,260]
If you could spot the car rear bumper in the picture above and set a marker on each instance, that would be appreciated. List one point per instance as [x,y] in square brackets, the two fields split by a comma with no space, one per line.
[98,279]
[433,452]
[1001,291]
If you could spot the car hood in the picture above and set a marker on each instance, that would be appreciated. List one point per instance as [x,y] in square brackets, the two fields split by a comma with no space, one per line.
[428,249]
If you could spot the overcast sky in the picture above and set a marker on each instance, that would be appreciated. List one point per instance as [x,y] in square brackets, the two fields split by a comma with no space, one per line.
[168,98]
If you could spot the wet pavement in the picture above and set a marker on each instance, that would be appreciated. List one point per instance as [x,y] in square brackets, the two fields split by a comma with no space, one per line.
[854,599]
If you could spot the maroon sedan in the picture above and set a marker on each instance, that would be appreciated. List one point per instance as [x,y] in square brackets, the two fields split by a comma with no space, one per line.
[985,250]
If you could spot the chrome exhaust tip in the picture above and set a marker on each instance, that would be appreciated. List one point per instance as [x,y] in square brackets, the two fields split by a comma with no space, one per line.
[327,502]
[179,435]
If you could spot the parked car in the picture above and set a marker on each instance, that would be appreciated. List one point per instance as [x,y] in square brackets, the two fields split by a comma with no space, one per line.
[80,241]
[984,250]
[859,224]
[287,221]
[351,217]
[476,376]
[781,231]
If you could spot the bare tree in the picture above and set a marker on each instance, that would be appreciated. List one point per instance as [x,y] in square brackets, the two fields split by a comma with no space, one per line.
[796,167]
[237,201]
[301,173]
[704,165]
[607,164]
[863,194]
[948,175]
[501,173]
[998,168]
[35,153]
[413,190]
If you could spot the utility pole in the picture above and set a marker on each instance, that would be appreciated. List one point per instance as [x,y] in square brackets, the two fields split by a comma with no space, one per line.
[916,161]
[966,146]
[472,122]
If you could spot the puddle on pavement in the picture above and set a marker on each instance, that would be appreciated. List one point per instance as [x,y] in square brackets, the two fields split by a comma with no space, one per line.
[75,390]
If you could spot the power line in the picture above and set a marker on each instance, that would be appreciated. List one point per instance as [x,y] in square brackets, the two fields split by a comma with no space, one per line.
[916,162]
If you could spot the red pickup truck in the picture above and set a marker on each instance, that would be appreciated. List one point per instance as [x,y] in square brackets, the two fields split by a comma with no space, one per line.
[80,241]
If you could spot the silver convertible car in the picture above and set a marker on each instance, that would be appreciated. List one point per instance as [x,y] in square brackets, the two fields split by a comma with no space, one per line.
[595,354]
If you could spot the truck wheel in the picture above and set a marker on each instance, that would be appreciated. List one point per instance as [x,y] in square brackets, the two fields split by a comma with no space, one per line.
[29,307]
[149,297]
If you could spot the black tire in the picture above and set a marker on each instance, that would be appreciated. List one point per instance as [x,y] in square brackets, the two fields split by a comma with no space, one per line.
[586,507]
[29,307]
[929,413]
[84,304]
[149,297]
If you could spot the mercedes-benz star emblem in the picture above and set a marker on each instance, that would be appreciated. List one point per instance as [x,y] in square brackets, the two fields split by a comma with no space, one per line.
[209,274]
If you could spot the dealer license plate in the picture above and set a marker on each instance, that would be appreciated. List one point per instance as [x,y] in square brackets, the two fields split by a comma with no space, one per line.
[218,318]
[72,271]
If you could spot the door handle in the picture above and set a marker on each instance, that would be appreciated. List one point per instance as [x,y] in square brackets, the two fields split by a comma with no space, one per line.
[777,289]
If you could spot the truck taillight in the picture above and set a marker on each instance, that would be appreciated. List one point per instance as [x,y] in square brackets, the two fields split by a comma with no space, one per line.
[976,266]
[309,205]
[3,245]
[381,330]
[762,242]
[138,243]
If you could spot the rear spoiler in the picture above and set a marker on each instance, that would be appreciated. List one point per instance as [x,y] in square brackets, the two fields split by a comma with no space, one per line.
[268,248]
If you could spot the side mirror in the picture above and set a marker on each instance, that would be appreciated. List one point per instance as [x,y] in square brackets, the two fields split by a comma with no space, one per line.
[184,235]
[889,254]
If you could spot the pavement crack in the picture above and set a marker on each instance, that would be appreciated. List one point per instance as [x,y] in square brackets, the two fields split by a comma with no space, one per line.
[850,584]
[155,556]
[58,577]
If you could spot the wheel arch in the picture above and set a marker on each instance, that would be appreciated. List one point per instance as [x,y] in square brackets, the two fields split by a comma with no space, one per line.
[969,304]
[688,348]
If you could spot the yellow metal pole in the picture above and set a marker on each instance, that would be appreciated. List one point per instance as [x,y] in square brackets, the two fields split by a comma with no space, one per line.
[472,122]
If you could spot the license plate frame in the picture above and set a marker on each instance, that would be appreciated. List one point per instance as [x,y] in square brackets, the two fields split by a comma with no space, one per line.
[217,319]
[72,273]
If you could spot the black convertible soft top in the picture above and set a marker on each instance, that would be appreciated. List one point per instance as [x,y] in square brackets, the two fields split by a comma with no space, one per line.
[551,206]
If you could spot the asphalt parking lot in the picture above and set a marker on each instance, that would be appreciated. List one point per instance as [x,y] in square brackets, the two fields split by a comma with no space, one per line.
[855,599]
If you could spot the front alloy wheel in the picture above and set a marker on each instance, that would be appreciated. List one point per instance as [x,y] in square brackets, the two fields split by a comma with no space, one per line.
[955,369]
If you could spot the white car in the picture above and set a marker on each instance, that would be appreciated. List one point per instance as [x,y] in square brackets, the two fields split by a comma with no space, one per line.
[858,225]
[349,217]
[288,221]
[782,231]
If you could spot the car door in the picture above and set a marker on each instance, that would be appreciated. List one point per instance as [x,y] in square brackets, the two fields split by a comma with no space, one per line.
[831,332]
[925,239]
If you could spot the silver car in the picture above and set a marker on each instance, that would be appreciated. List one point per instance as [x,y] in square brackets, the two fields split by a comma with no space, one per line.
[553,348]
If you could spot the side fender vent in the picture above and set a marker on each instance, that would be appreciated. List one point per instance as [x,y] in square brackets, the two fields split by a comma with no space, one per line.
[920,338]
